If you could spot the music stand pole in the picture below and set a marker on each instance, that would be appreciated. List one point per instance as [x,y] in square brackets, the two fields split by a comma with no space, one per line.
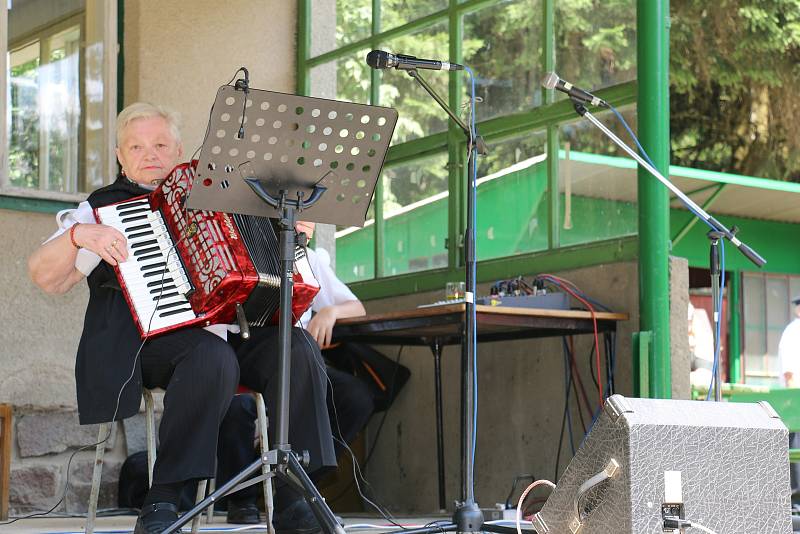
[287,244]
[288,467]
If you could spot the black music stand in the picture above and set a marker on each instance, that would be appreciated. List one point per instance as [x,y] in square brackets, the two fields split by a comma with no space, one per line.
[295,153]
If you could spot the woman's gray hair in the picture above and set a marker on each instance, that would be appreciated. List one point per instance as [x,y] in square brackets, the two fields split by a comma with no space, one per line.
[145,110]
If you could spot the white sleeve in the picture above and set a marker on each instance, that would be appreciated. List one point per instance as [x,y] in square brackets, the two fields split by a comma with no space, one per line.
[86,260]
[331,289]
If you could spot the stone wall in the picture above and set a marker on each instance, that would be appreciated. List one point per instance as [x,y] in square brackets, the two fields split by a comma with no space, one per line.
[45,442]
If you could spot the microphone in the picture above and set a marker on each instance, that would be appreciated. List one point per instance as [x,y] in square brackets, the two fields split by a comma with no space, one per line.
[378,59]
[552,81]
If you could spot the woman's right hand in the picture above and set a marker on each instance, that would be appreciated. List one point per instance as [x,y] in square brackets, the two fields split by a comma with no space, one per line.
[105,241]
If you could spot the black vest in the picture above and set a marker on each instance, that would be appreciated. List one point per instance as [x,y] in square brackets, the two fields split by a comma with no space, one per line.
[110,339]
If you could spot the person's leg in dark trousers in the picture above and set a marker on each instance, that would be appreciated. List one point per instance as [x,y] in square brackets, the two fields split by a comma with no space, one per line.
[350,405]
[199,372]
[309,426]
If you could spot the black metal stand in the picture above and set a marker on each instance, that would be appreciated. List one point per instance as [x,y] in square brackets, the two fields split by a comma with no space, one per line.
[467,516]
[436,349]
[287,466]
[718,232]
[714,237]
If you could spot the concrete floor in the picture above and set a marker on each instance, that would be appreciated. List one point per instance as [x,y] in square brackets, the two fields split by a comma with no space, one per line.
[124,524]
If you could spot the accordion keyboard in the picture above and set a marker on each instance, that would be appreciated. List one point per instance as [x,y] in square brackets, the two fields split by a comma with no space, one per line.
[154,277]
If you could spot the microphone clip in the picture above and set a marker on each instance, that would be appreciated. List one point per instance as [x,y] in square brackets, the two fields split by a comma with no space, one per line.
[580,107]
[242,85]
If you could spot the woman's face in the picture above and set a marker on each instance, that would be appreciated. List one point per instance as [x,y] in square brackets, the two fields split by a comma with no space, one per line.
[148,151]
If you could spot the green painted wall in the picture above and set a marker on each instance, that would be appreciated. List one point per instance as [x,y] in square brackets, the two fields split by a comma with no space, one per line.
[512,220]
[415,240]
[775,241]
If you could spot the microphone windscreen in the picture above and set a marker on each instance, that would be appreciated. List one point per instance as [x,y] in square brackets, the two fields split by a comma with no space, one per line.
[550,80]
[377,59]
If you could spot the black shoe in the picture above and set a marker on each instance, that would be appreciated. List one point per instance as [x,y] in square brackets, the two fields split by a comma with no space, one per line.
[297,518]
[152,523]
[245,513]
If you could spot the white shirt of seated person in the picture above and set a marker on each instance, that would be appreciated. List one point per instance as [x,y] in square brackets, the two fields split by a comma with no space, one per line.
[789,351]
[331,289]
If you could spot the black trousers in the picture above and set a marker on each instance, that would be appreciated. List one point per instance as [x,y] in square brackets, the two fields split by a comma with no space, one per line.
[349,407]
[200,373]
[309,427]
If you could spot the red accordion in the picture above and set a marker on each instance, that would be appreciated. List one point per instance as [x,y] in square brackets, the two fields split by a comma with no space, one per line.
[193,267]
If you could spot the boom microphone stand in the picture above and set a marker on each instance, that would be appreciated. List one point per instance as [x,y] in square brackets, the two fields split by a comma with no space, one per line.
[467,516]
[718,231]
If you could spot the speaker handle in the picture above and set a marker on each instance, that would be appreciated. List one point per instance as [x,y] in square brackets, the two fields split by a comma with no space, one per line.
[610,470]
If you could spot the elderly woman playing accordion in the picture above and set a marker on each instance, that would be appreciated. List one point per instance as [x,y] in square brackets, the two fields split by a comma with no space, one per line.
[197,368]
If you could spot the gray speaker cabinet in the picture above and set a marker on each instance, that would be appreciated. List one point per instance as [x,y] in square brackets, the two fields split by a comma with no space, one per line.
[733,461]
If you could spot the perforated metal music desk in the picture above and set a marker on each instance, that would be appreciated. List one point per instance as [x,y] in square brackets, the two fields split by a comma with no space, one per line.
[438,326]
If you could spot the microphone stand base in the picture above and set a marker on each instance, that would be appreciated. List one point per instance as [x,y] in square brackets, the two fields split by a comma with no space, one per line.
[468,517]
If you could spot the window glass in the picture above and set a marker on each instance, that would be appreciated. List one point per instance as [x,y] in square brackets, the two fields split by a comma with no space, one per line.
[756,357]
[415,204]
[419,114]
[596,42]
[767,311]
[60,97]
[597,186]
[345,78]
[502,45]
[355,253]
[23,110]
[335,23]
[512,207]
[355,250]
[43,100]
[398,12]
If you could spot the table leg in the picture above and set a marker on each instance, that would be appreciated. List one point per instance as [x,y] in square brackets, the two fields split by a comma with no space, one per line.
[436,348]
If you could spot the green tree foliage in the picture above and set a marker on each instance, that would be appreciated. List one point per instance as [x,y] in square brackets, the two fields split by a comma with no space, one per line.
[734,86]
[596,41]
[734,74]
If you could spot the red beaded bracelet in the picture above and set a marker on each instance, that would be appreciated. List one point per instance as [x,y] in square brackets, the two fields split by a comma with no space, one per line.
[72,236]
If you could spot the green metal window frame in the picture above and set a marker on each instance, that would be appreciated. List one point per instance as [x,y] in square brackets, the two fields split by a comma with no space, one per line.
[545,118]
